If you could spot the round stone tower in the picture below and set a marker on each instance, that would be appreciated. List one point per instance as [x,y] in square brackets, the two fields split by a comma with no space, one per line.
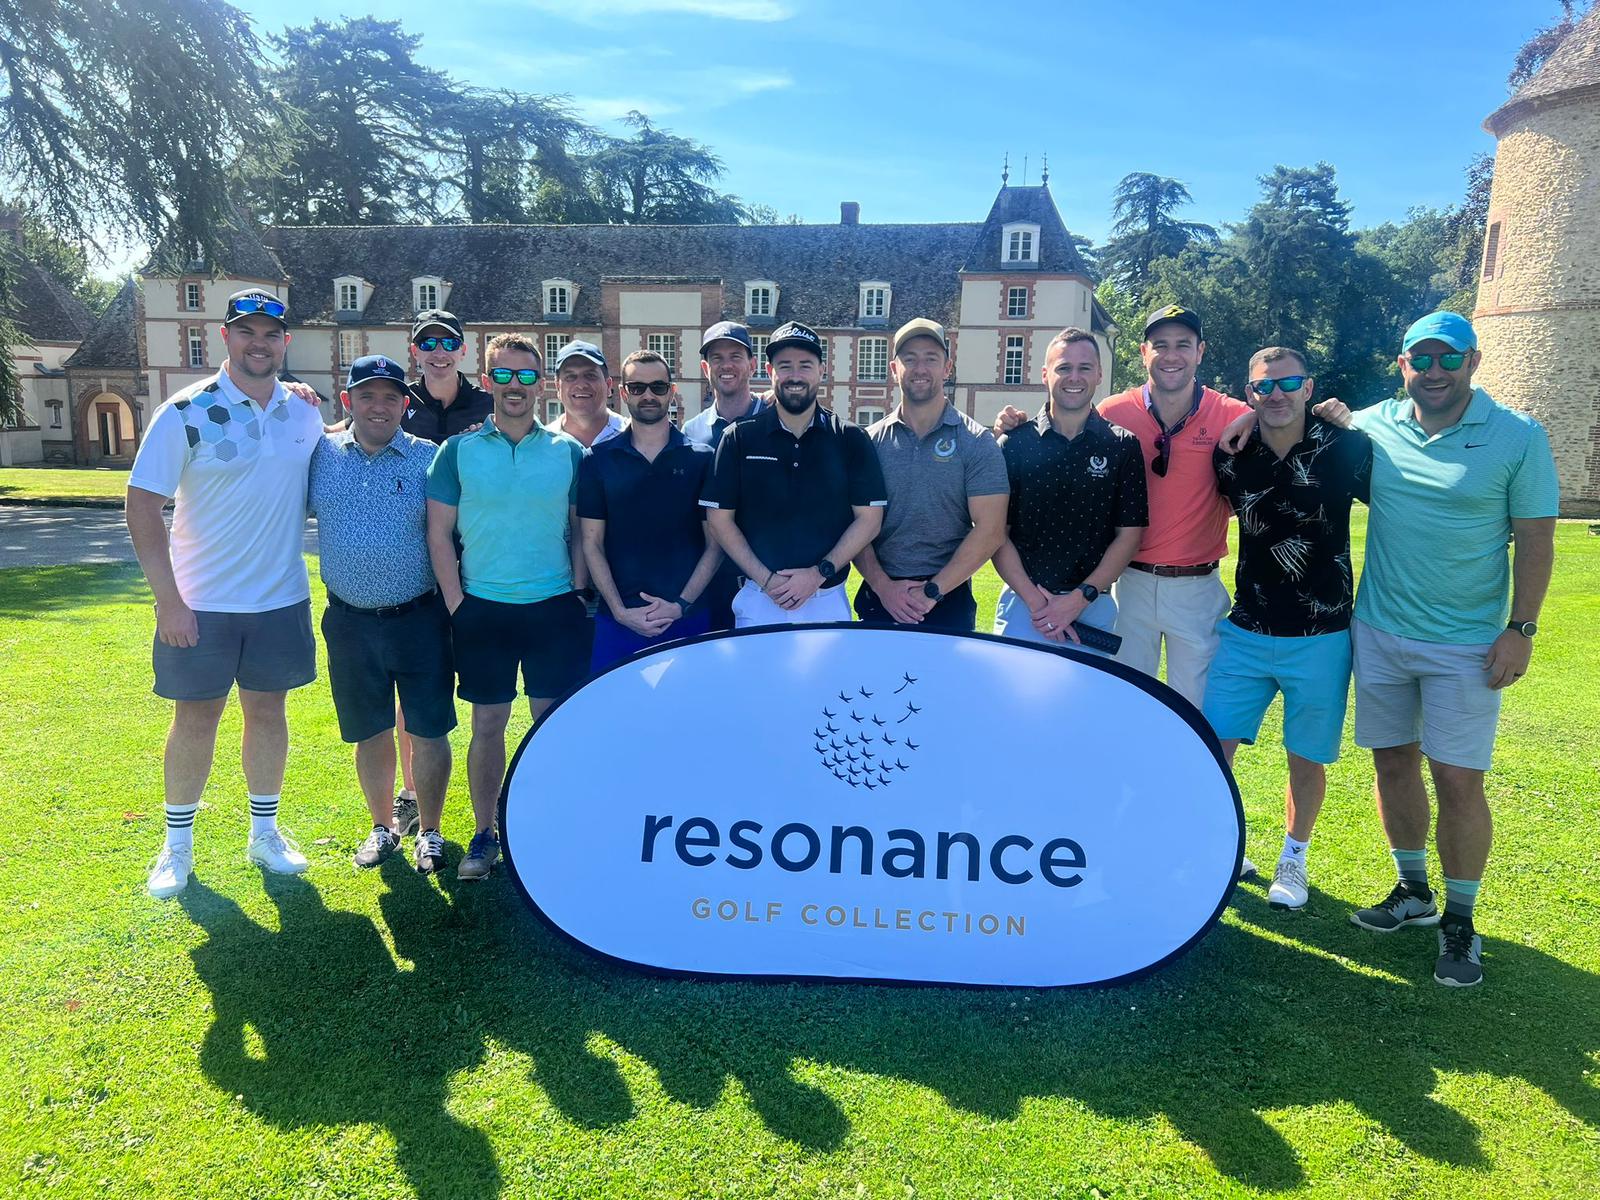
[1538,314]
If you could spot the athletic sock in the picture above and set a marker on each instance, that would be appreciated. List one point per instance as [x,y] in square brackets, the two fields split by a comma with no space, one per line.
[1459,896]
[263,814]
[180,825]
[1294,850]
[1413,868]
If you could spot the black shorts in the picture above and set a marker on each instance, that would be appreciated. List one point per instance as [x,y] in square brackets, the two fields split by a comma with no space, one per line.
[269,651]
[957,610]
[372,657]
[549,640]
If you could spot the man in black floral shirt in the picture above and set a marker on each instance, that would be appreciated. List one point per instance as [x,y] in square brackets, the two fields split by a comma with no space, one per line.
[1291,487]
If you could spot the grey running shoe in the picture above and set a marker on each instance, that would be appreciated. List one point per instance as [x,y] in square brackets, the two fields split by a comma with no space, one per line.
[380,844]
[1460,961]
[405,817]
[482,853]
[1248,869]
[1289,886]
[430,852]
[1399,908]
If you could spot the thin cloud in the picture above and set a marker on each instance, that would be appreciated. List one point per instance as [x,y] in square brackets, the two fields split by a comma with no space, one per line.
[725,10]
[749,85]
[614,108]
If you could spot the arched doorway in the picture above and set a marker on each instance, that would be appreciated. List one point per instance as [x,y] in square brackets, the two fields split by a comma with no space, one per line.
[106,430]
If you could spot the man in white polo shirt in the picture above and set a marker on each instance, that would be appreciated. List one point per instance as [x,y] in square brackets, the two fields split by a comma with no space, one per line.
[233,602]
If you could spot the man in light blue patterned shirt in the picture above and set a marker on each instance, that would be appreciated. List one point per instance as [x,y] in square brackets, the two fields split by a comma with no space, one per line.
[386,625]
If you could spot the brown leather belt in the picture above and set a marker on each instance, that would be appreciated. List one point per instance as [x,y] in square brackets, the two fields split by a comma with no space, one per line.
[1174,572]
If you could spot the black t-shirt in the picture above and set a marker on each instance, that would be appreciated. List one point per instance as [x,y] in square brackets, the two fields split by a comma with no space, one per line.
[655,526]
[426,418]
[1294,577]
[1069,497]
[792,497]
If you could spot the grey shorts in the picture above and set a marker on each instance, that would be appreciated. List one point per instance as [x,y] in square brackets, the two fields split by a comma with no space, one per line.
[262,652]
[1429,692]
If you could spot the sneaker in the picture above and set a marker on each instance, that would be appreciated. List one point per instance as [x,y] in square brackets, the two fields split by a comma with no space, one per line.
[430,852]
[1289,888]
[169,874]
[1460,962]
[405,817]
[1248,869]
[482,853]
[380,844]
[1399,908]
[276,853]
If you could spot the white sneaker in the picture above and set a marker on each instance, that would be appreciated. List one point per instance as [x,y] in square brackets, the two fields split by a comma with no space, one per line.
[170,873]
[1289,888]
[1248,869]
[276,853]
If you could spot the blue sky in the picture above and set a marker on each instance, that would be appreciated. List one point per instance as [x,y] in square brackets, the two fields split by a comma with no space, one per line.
[909,108]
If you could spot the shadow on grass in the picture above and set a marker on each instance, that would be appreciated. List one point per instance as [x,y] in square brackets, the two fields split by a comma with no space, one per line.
[1246,1023]
[31,592]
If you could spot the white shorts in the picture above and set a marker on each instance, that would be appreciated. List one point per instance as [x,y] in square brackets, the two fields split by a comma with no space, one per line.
[752,606]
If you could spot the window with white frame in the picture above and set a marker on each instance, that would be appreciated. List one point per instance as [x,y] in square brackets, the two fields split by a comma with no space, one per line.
[425,294]
[552,411]
[349,297]
[552,347]
[760,298]
[195,343]
[558,297]
[349,347]
[55,414]
[1017,302]
[875,301]
[1019,243]
[759,341]
[191,297]
[1014,365]
[666,345]
[868,415]
[872,360]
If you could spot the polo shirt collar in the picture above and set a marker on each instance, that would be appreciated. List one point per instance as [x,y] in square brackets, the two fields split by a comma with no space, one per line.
[947,417]
[233,392]
[624,439]
[419,389]
[1477,412]
[772,416]
[1093,427]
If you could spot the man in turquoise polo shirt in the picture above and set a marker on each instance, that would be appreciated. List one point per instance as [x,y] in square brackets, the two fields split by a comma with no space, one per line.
[510,490]
[1455,479]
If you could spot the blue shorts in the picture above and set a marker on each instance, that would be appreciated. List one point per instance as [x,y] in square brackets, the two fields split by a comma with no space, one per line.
[1313,673]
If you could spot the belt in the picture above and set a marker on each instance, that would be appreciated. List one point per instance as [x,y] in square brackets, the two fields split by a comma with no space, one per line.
[1174,572]
[388,610]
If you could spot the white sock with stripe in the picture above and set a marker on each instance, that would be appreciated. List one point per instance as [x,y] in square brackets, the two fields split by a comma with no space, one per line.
[263,814]
[180,825]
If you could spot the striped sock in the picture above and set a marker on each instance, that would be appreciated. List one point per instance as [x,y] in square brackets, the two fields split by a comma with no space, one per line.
[1460,895]
[180,824]
[1413,868]
[263,814]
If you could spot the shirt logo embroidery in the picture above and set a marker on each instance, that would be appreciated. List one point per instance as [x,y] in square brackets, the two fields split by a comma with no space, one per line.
[944,448]
[1097,466]
[761,458]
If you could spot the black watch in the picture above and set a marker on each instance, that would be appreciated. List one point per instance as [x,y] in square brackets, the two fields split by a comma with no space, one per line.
[828,569]
[685,605]
[1526,628]
[932,592]
[1090,592]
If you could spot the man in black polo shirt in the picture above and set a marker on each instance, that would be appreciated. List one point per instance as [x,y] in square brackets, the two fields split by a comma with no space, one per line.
[644,535]
[1078,504]
[443,402]
[794,495]
[1291,486]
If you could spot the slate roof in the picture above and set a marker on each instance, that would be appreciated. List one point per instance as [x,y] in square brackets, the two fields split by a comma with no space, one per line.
[242,255]
[42,307]
[1057,254]
[1574,67]
[114,339]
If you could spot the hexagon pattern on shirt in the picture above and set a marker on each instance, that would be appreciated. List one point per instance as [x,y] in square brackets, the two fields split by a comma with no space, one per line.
[223,430]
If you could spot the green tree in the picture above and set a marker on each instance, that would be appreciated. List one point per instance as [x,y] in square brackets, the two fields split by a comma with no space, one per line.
[1296,243]
[656,177]
[68,262]
[1124,308]
[497,146]
[1143,228]
[1536,51]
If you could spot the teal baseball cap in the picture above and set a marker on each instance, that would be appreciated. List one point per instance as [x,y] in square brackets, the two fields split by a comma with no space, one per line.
[1452,329]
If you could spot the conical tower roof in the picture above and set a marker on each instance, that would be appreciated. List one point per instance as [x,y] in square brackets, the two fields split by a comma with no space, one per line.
[1573,68]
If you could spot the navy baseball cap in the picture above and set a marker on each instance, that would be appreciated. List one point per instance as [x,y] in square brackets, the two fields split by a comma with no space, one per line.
[1174,312]
[1452,329]
[586,350]
[375,366]
[727,331]
[429,317]
[794,334]
[256,302]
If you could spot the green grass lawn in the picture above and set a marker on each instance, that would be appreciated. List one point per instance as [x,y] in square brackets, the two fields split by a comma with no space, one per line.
[63,483]
[374,1035]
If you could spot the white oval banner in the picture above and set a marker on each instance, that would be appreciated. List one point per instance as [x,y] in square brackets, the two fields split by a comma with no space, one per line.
[875,804]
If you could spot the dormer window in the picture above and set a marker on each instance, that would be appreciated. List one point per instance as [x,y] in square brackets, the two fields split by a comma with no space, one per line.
[1019,244]
[350,293]
[875,298]
[760,298]
[428,291]
[558,297]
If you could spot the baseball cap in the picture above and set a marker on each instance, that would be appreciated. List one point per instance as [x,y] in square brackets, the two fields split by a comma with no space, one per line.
[727,331]
[586,350]
[1174,312]
[375,366]
[794,334]
[1452,329]
[920,327]
[436,316]
[256,302]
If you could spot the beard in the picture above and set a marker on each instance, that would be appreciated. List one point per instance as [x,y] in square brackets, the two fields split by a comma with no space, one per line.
[796,395]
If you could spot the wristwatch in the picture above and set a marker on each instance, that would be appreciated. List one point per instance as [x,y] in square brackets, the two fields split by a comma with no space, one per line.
[828,569]
[1526,628]
[685,605]
[932,592]
[1090,592]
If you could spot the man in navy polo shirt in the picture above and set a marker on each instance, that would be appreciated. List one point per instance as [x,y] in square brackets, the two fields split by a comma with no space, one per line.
[644,536]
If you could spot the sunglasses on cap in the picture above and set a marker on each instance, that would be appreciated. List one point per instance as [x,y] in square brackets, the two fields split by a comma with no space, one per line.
[659,387]
[527,376]
[429,344]
[264,305]
[1450,361]
[1289,383]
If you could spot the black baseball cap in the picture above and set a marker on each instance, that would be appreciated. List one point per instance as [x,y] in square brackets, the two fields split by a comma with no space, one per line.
[727,331]
[794,334]
[375,366]
[256,302]
[1173,312]
[436,316]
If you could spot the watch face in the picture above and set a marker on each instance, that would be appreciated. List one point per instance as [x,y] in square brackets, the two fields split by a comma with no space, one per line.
[1527,628]
[931,590]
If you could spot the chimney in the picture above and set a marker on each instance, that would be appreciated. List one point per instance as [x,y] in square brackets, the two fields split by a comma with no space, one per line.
[849,212]
[11,226]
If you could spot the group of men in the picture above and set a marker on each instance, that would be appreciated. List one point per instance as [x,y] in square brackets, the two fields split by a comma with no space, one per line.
[463,543]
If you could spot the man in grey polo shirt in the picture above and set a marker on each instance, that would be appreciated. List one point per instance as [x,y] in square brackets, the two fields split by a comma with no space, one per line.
[946,481]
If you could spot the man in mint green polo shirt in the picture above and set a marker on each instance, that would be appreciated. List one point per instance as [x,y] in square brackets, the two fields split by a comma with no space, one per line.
[509,489]
[1456,478]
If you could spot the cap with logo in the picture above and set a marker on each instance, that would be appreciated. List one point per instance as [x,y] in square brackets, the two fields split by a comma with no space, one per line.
[256,302]
[375,366]
[437,316]
[794,334]
[1173,312]
[727,331]
[586,350]
[1452,329]
[920,327]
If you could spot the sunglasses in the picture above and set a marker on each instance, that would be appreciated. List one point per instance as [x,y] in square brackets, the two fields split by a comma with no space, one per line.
[659,388]
[448,344]
[1289,383]
[527,376]
[260,304]
[1159,463]
[1450,362]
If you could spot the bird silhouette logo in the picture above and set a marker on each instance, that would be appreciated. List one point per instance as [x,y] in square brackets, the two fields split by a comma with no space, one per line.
[867,708]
